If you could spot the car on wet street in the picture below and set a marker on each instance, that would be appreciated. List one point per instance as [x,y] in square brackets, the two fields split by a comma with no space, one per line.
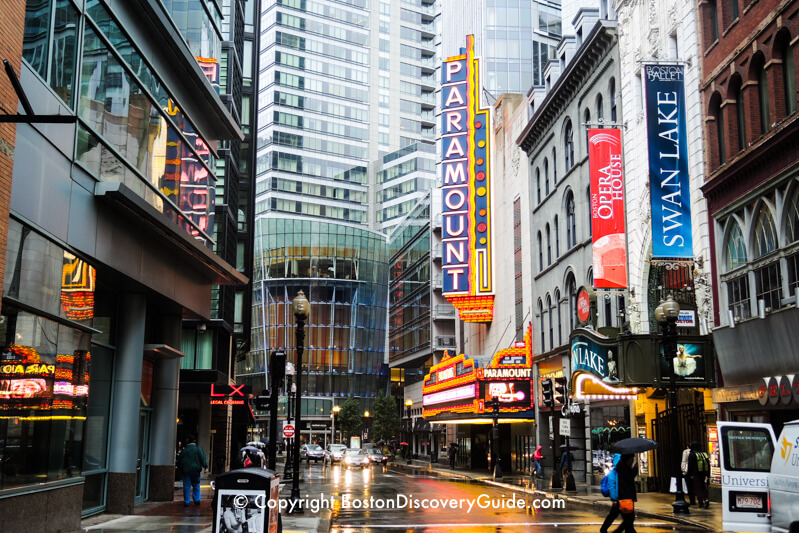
[376,456]
[356,457]
[333,453]
[312,452]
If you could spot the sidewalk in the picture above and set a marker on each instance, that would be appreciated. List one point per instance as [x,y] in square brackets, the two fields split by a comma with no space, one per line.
[649,505]
[168,516]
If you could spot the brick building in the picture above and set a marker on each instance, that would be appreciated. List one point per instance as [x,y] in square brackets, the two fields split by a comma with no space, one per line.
[751,125]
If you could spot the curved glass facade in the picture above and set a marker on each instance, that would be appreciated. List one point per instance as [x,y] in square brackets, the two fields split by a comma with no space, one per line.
[343,270]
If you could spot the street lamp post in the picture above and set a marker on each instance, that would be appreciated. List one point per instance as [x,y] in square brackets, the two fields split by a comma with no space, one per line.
[494,404]
[666,314]
[408,405]
[336,409]
[288,470]
[301,309]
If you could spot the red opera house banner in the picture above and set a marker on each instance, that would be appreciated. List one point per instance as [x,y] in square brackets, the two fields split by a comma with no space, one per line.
[466,205]
[607,209]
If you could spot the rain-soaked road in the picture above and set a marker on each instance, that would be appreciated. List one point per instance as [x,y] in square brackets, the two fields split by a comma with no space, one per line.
[379,499]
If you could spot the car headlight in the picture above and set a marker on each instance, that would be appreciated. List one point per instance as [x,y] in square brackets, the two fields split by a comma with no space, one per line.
[348,460]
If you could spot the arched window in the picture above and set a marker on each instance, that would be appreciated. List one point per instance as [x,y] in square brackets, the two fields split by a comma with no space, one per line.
[768,281]
[785,51]
[740,110]
[560,319]
[571,224]
[540,254]
[549,247]
[571,291]
[735,252]
[758,74]
[551,325]
[541,325]
[568,145]
[590,276]
[718,116]
[538,185]
[546,176]
[737,287]
[792,226]
[587,122]
[765,233]
[612,92]
[600,111]
[554,166]
[557,237]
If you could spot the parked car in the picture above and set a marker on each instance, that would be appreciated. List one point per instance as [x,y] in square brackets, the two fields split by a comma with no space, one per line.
[377,456]
[356,457]
[333,453]
[312,451]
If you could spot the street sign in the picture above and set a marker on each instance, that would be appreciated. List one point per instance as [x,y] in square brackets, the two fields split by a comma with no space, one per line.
[288,431]
[565,427]
[262,403]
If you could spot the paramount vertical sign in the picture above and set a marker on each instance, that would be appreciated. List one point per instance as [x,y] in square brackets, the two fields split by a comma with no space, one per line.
[466,206]
[668,162]
[607,209]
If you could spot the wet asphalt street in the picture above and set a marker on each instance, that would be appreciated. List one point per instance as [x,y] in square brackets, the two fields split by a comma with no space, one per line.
[379,499]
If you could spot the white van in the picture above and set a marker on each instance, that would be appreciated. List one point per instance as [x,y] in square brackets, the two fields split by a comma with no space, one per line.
[783,481]
[745,453]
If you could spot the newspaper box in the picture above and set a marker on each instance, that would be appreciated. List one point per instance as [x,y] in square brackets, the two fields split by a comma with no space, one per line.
[247,496]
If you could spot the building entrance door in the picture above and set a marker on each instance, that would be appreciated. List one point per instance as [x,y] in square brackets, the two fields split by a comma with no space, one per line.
[143,456]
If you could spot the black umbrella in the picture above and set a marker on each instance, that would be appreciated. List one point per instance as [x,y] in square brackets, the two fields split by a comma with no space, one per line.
[570,446]
[633,445]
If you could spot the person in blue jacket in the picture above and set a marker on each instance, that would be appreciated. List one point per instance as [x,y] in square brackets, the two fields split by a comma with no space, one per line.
[613,483]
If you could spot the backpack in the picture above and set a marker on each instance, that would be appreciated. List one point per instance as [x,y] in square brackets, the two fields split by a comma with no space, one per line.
[702,462]
[609,479]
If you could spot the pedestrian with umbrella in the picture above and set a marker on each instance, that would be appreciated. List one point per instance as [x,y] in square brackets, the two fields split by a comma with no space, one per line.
[252,456]
[626,472]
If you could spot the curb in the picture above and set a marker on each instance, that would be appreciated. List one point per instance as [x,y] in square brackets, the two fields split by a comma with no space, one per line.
[596,504]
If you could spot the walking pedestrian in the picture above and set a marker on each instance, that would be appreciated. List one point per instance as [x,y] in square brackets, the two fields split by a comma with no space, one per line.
[537,457]
[192,462]
[566,463]
[613,489]
[689,482]
[453,453]
[699,470]
[626,470]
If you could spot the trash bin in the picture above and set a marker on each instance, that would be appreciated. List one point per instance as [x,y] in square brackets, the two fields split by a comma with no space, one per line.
[248,495]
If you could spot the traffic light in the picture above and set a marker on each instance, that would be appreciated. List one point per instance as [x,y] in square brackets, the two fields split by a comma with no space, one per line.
[560,390]
[277,368]
[546,392]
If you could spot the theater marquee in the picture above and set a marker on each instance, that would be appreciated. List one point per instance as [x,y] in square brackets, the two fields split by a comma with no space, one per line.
[466,206]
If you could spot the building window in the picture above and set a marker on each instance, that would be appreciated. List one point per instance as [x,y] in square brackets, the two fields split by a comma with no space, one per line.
[767,278]
[740,111]
[735,252]
[541,324]
[733,10]
[788,72]
[792,226]
[571,224]
[759,73]
[718,116]
[557,237]
[587,122]
[568,145]
[546,176]
[540,254]
[538,185]
[600,112]
[612,92]
[738,296]
[551,325]
[712,21]
[554,166]
[571,290]
[549,247]
[560,318]
[49,44]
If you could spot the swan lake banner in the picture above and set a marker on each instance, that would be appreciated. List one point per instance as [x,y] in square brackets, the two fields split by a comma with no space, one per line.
[607,209]
[668,162]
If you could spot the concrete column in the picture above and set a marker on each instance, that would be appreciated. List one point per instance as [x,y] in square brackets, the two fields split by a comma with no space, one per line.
[124,428]
[165,413]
